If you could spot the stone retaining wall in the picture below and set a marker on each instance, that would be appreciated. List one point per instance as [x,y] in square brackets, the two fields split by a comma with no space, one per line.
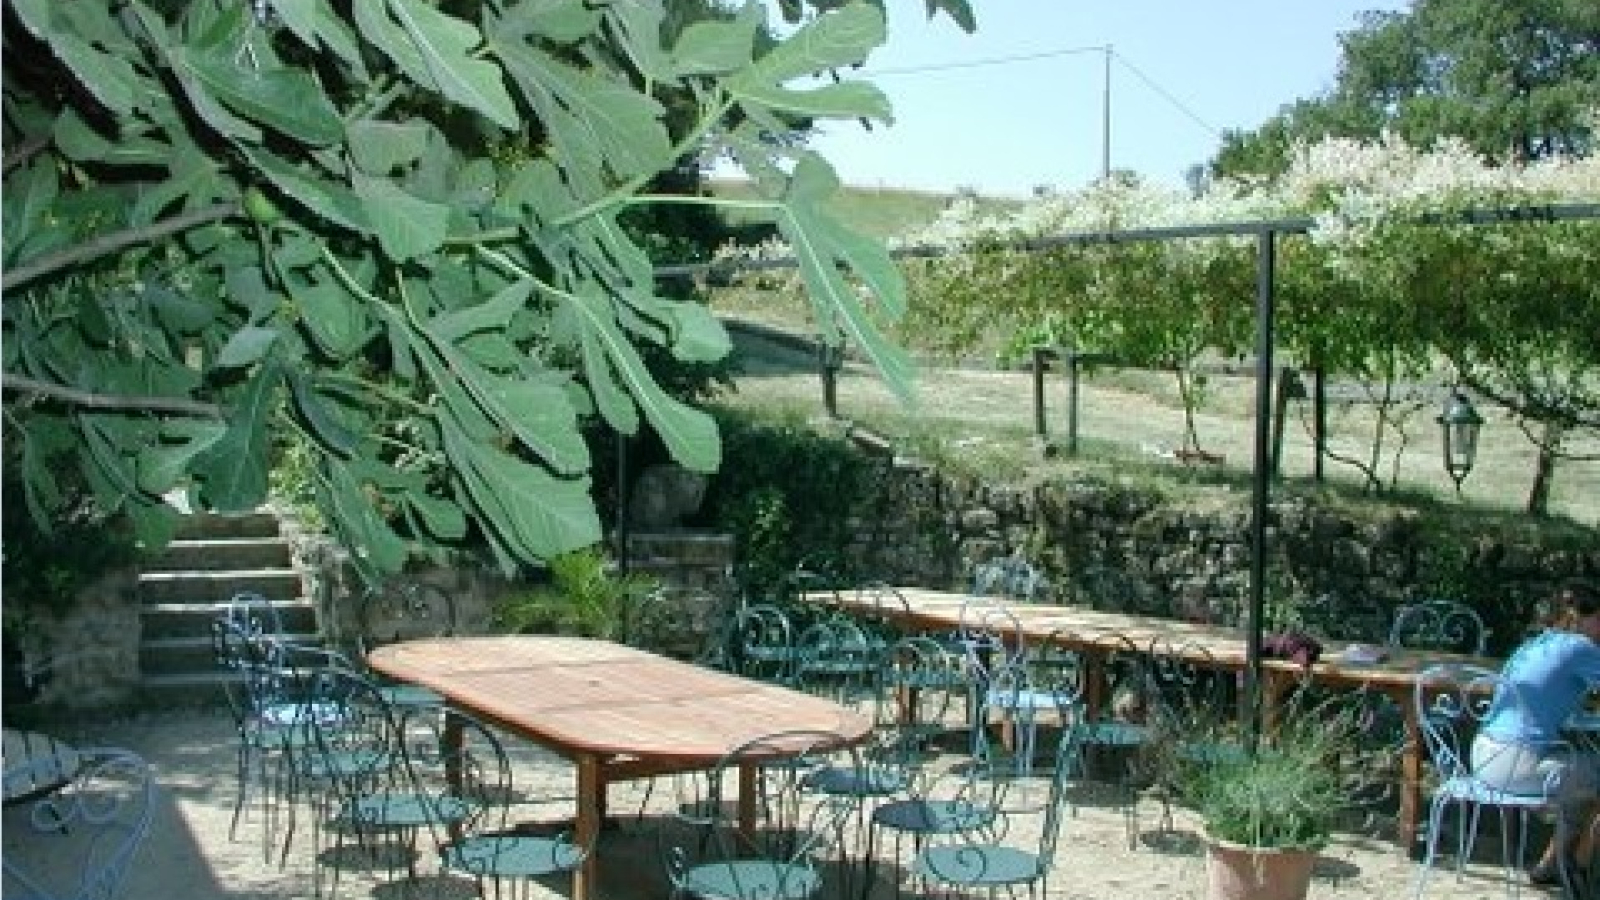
[1126,547]
[1111,546]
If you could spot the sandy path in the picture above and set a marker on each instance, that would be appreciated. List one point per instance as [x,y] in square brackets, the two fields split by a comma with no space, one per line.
[190,855]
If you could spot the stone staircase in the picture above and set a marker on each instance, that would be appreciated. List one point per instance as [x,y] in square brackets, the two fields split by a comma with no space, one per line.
[213,558]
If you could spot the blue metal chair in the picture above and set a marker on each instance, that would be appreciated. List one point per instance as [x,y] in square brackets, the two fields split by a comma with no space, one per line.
[454,783]
[1031,685]
[784,845]
[262,696]
[344,753]
[836,659]
[403,609]
[1451,702]
[994,858]
[1439,625]
[1191,716]
[1011,577]
[763,644]
[79,841]
[921,686]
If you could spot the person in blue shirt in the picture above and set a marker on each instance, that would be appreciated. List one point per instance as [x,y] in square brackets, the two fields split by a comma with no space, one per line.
[1520,747]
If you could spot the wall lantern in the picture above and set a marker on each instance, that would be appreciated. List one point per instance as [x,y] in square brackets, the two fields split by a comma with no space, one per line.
[1460,424]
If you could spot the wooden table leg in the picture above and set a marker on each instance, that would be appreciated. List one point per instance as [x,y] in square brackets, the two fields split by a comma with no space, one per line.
[1410,775]
[590,788]
[453,737]
[747,798]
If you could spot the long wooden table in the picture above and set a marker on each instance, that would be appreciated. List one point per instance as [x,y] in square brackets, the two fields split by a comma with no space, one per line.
[1093,631]
[616,712]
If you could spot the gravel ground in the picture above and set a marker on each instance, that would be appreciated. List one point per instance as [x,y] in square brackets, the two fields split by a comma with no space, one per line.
[190,855]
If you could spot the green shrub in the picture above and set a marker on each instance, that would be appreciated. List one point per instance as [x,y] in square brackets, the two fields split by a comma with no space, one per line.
[584,597]
[788,494]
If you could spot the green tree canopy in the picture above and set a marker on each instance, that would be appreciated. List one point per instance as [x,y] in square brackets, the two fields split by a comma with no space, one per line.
[393,228]
[1517,80]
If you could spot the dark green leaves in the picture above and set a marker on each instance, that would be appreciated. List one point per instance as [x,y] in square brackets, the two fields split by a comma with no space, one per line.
[533,514]
[437,50]
[389,233]
[593,121]
[286,100]
[110,78]
[712,48]
[618,378]
[958,10]
[406,225]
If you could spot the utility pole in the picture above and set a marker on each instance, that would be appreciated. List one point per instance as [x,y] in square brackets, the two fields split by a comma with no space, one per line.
[1105,120]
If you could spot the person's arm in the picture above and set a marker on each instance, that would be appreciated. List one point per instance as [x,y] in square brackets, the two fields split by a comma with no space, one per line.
[1587,664]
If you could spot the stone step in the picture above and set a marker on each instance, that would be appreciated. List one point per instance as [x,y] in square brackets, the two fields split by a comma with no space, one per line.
[193,620]
[188,654]
[684,547]
[213,587]
[260,523]
[222,554]
[176,690]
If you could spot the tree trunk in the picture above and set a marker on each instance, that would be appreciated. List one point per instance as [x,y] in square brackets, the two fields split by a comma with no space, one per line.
[1544,469]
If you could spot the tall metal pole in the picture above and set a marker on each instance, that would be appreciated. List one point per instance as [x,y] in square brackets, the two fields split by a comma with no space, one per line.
[622,503]
[1041,429]
[1261,481]
[1105,120]
[1073,366]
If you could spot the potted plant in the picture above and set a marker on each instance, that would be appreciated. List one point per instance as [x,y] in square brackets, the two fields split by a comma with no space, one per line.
[1268,813]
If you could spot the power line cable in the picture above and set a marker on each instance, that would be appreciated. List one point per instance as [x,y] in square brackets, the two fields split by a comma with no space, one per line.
[1165,94]
[984,62]
[980,63]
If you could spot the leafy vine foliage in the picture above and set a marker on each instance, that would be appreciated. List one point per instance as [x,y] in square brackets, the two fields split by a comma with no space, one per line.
[395,228]
[1391,285]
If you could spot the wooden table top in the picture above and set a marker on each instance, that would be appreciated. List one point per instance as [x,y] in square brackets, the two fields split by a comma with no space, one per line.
[941,610]
[581,696]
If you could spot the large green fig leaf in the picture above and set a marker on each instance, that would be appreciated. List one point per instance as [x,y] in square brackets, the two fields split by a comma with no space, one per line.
[823,246]
[110,78]
[407,226]
[446,46]
[164,463]
[314,22]
[233,470]
[592,117]
[286,100]
[689,434]
[534,513]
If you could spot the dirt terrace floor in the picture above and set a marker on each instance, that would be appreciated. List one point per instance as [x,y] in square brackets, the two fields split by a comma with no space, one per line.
[190,856]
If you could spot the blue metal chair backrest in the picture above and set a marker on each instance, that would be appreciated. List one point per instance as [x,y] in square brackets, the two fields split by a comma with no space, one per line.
[1439,625]
[1011,577]
[1453,700]
[986,861]
[763,644]
[402,609]
[253,614]
[78,842]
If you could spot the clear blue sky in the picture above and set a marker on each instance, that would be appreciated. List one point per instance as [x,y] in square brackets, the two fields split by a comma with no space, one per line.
[1181,72]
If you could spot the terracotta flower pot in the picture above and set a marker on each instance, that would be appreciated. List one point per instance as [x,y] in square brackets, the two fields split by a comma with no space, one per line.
[1238,872]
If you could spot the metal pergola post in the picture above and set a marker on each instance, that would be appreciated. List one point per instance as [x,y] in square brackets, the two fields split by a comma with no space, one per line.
[1261,479]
